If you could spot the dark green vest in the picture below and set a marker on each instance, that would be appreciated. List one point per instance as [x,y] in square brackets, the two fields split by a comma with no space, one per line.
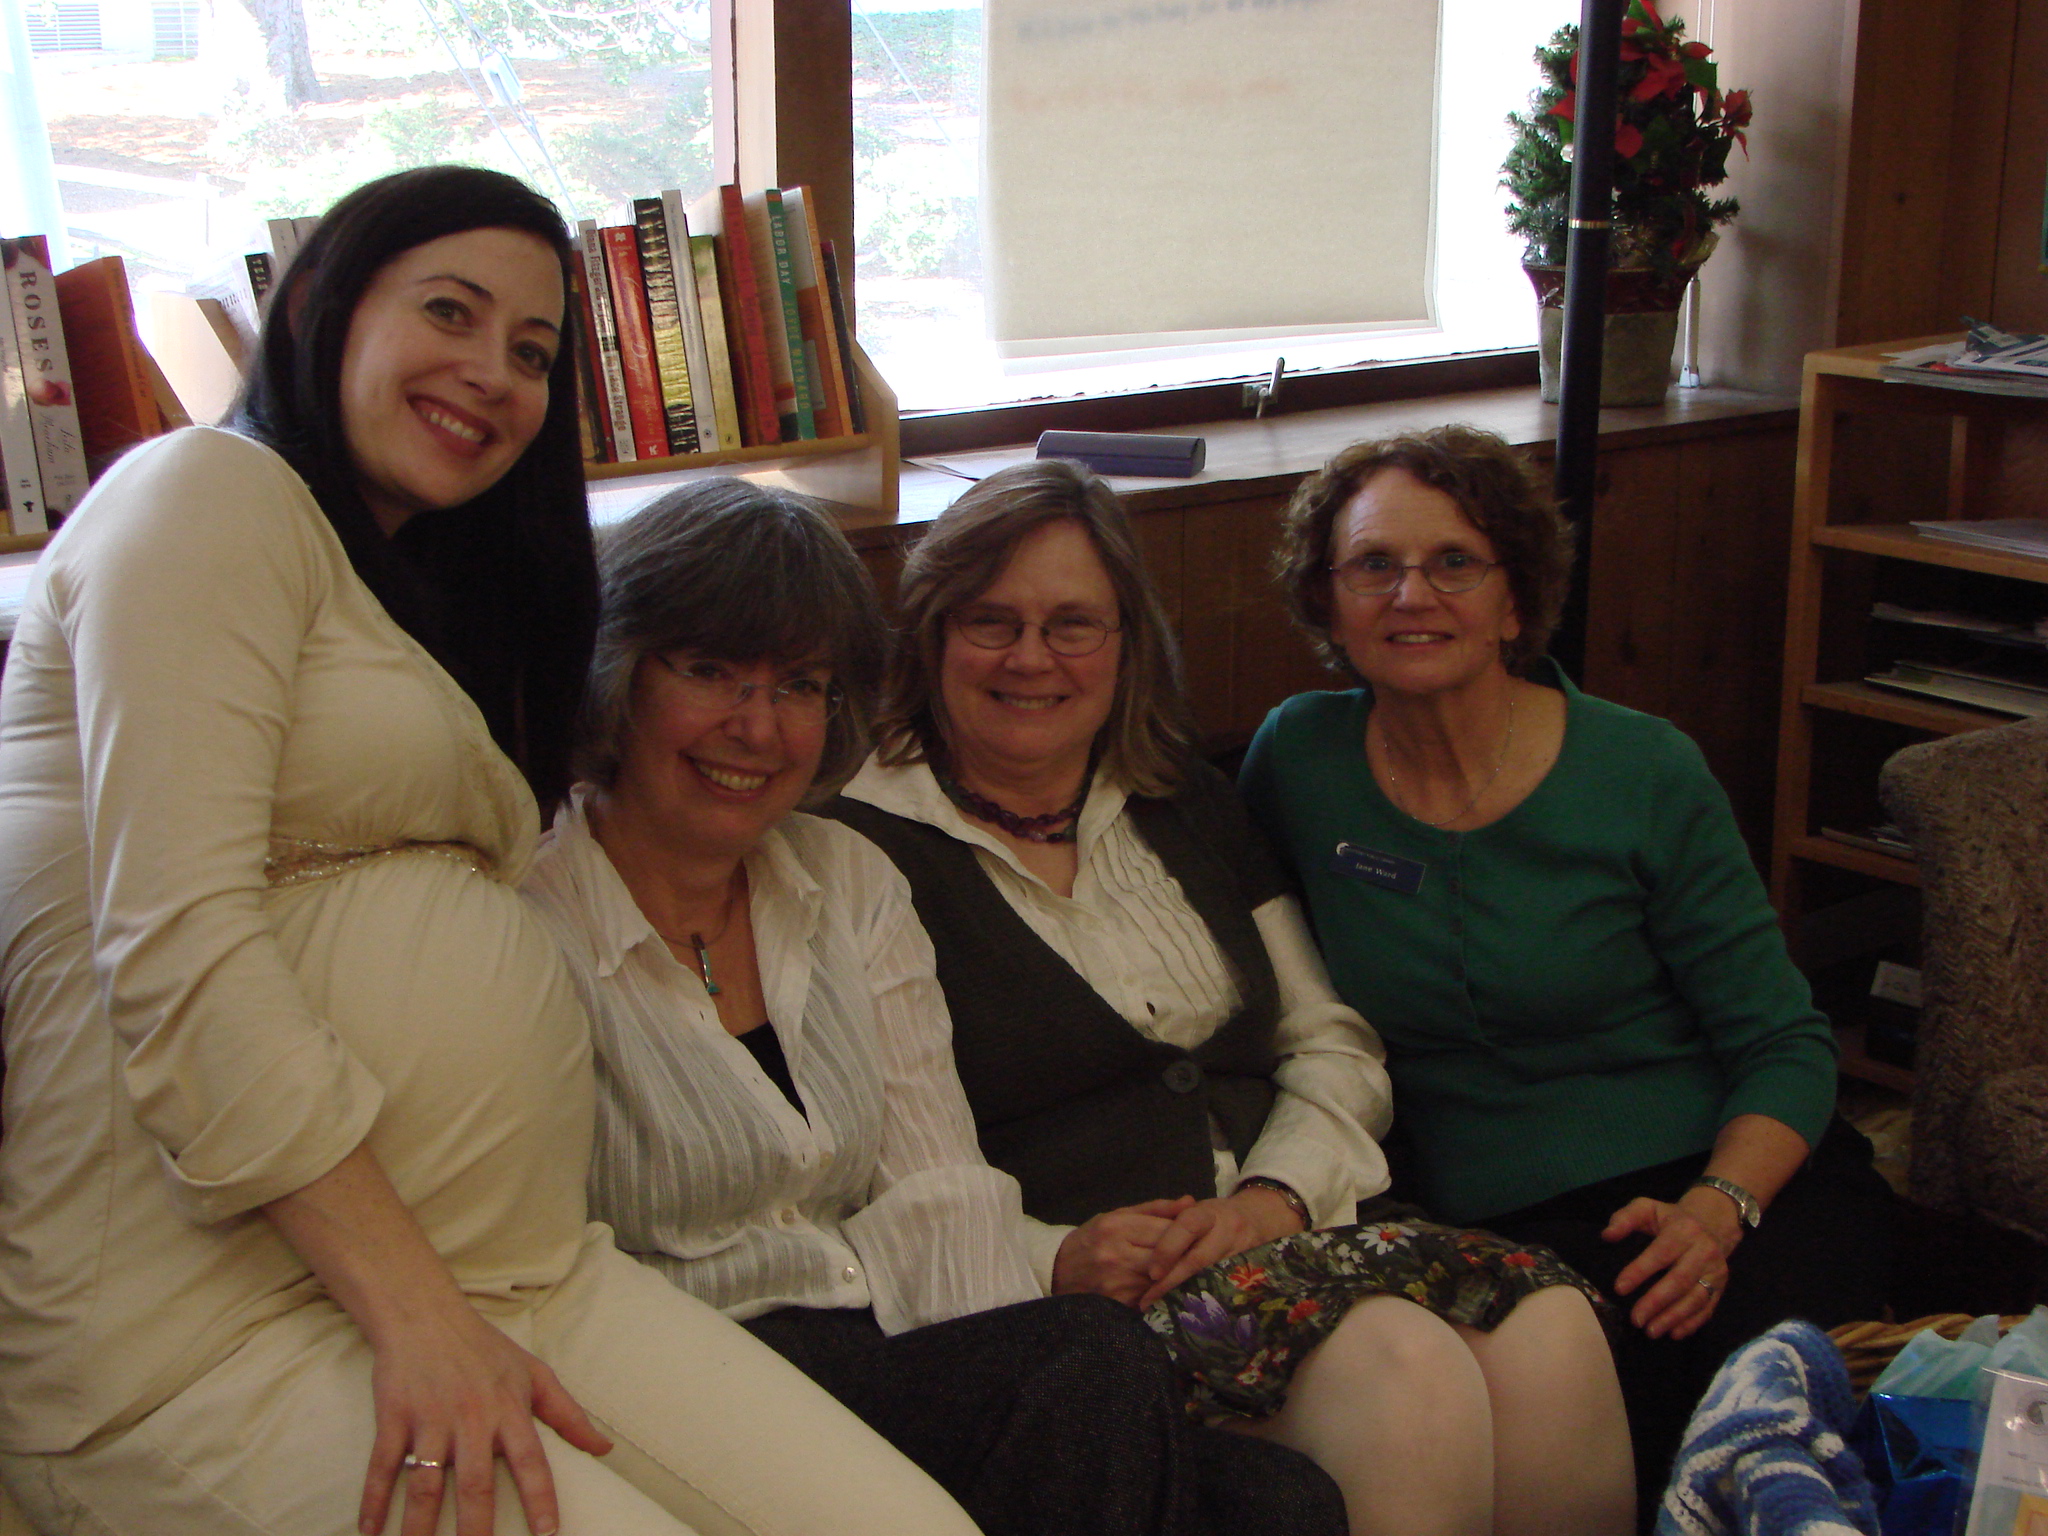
[1083,1110]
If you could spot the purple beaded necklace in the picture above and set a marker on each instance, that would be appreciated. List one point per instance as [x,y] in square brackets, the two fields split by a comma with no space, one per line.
[1033,829]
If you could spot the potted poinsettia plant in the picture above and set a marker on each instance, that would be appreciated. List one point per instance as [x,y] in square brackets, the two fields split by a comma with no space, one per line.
[1673,133]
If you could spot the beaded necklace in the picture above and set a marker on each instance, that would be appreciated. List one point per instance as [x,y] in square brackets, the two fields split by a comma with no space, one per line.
[1033,829]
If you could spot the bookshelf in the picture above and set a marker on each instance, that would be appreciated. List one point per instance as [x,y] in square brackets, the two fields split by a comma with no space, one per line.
[1873,456]
[856,475]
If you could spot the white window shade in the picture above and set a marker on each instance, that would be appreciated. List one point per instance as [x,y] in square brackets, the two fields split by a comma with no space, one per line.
[1164,172]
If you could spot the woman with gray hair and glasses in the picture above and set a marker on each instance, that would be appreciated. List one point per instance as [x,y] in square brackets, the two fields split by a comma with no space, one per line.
[780,1130]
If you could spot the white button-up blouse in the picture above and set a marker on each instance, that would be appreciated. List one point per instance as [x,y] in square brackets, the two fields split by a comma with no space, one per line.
[1129,931]
[707,1172]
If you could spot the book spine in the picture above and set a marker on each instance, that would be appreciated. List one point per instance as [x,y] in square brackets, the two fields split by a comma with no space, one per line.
[702,395]
[618,420]
[741,281]
[636,341]
[590,402]
[784,291]
[262,275]
[24,483]
[46,365]
[116,402]
[717,349]
[806,261]
[774,335]
[856,413]
[665,324]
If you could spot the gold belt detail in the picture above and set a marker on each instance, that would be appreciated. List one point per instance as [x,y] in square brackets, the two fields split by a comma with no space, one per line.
[294,862]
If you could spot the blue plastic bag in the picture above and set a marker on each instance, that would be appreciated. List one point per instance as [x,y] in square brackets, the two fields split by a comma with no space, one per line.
[1918,1453]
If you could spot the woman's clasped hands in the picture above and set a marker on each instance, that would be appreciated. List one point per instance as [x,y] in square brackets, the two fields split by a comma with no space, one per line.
[1138,1253]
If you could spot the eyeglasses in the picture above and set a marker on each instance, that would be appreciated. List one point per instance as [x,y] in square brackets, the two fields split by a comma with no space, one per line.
[1448,570]
[1073,634]
[715,688]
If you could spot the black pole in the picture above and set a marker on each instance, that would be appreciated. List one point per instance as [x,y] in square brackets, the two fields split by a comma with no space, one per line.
[1585,302]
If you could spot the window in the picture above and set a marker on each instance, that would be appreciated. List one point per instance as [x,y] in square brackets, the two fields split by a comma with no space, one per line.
[173,139]
[928,158]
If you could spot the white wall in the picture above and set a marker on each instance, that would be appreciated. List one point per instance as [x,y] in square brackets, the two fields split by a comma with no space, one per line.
[1768,295]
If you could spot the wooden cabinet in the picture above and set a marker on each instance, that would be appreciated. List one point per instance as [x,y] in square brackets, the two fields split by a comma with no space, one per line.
[1874,456]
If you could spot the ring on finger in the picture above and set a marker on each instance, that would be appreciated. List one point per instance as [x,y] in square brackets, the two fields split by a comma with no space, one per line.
[422,1462]
[1708,1286]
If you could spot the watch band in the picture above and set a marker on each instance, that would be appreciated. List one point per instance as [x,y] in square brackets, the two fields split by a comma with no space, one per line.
[1745,1202]
[1294,1201]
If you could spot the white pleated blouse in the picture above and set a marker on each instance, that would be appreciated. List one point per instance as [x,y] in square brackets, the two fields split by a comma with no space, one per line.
[1130,932]
[707,1172]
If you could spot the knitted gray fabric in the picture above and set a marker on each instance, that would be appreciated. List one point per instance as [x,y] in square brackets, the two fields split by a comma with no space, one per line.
[1976,810]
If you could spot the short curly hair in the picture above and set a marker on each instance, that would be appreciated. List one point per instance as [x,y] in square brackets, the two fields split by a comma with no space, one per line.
[1500,492]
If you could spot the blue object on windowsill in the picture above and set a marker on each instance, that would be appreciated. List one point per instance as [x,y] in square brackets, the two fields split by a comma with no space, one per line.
[1127,453]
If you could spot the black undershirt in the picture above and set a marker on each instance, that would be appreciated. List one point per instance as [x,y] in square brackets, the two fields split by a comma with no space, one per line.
[765,1046]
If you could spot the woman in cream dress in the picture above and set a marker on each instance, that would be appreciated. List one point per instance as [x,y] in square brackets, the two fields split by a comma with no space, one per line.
[299,1099]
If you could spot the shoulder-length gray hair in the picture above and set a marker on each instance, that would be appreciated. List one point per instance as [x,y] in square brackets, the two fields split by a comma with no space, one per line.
[1150,731]
[740,572]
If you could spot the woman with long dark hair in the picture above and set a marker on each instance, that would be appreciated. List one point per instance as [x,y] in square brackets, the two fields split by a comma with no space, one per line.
[299,1098]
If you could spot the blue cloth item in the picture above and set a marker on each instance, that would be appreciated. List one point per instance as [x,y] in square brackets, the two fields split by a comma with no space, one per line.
[1765,1454]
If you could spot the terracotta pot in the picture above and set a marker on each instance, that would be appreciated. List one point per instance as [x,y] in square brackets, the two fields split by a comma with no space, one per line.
[1641,325]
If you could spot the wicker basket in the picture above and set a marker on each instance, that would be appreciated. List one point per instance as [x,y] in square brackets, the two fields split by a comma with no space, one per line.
[1869,1347]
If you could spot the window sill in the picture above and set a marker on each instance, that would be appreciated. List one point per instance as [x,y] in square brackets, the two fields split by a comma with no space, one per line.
[1249,459]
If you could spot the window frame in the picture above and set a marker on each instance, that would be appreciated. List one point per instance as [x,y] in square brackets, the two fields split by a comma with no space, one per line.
[782,109]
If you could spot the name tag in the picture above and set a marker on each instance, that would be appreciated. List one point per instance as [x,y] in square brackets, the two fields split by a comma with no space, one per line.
[1389,870]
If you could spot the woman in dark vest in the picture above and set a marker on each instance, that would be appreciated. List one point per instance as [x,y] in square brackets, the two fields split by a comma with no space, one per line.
[1151,1046]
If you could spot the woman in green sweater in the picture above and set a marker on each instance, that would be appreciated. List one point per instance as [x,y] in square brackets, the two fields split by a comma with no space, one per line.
[1540,899]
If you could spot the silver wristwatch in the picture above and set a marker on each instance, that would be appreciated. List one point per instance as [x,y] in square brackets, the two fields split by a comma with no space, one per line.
[1745,1202]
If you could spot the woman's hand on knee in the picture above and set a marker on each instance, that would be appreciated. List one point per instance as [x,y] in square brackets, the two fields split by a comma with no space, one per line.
[1687,1258]
[1210,1231]
[453,1395]
[1111,1254]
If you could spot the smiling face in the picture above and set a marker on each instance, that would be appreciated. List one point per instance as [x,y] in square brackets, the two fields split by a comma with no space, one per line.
[1417,640]
[1021,714]
[709,778]
[444,378]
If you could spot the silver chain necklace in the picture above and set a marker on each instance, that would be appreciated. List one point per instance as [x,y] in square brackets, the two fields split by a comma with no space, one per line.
[1499,762]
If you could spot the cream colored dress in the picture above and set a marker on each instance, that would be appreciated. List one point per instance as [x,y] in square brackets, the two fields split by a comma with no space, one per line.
[212,996]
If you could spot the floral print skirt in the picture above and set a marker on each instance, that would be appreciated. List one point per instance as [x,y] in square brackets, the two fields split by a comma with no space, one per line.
[1238,1329]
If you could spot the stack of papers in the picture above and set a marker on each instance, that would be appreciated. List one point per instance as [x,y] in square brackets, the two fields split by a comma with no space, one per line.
[1976,689]
[1988,359]
[2008,535]
[1999,631]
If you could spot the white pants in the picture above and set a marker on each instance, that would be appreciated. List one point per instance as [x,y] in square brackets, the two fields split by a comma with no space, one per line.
[716,1435]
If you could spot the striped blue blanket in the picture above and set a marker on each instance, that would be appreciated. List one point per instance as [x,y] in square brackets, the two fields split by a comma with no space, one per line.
[1764,1454]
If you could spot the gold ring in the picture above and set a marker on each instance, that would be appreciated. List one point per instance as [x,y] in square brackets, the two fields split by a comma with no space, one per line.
[421,1461]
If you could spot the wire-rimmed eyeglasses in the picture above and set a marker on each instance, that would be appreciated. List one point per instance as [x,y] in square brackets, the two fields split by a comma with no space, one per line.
[1071,634]
[1449,571]
[714,687]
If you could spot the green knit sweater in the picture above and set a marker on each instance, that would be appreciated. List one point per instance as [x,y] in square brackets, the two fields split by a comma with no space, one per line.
[1594,983]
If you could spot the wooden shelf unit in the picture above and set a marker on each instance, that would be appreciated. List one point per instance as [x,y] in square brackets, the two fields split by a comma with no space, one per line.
[857,475]
[1875,455]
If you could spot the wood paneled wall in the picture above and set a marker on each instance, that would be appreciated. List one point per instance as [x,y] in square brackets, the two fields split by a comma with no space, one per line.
[1948,156]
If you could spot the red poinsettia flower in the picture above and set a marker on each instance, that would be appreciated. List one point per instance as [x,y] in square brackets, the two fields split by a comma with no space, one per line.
[1695,50]
[1568,109]
[1664,77]
[1628,140]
